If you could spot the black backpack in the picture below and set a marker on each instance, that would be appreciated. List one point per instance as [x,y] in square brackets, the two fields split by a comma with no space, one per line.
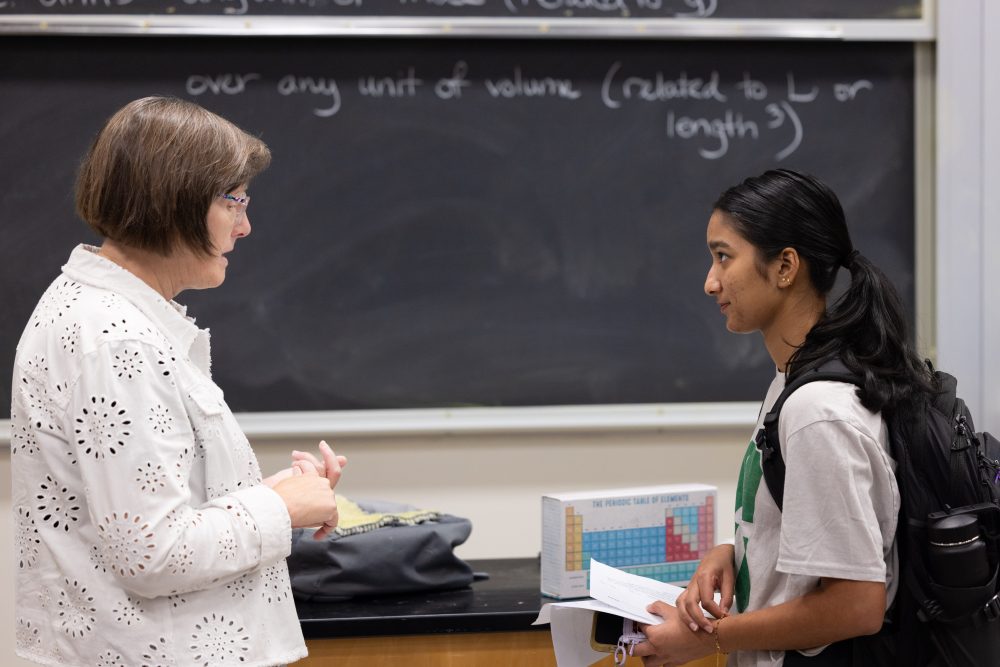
[944,468]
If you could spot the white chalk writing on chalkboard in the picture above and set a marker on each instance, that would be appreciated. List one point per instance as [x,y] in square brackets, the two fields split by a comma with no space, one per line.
[796,96]
[730,125]
[845,92]
[658,87]
[446,3]
[229,84]
[451,87]
[702,8]
[608,6]
[385,86]
[297,85]
[781,112]
[83,4]
[712,130]
[695,8]
[243,6]
[519,85]
[752,88]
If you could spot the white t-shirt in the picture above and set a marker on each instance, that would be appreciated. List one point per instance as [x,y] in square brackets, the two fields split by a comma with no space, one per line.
[841,504]
[143,533]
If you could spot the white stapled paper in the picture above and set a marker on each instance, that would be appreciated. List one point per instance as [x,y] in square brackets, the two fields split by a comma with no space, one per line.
[612,591]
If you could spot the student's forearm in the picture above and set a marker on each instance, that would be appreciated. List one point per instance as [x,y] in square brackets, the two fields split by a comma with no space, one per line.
[837,610]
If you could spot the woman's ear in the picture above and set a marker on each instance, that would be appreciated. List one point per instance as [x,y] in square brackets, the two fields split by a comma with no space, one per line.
[787,267]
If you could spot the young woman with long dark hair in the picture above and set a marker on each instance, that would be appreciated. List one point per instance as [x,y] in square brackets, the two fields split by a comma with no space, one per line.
[800,580]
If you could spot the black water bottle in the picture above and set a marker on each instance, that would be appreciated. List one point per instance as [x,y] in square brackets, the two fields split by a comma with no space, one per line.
[957,552]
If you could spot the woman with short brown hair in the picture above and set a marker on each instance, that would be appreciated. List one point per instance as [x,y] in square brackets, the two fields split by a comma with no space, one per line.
[145,533]
[156,166]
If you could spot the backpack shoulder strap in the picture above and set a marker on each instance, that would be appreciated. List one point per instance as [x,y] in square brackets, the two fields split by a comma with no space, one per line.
[767,441]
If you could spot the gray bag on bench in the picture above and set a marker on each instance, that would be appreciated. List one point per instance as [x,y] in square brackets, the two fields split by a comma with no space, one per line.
[388,549]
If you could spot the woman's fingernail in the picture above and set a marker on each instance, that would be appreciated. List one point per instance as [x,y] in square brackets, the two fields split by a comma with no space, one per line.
[694,627]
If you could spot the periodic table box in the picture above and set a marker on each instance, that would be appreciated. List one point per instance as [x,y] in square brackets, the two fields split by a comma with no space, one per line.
[660,532]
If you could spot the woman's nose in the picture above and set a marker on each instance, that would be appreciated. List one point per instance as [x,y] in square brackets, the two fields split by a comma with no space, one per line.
[711,284]
[242,226]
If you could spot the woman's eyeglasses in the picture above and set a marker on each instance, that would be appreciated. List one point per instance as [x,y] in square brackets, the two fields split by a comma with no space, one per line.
[241,203]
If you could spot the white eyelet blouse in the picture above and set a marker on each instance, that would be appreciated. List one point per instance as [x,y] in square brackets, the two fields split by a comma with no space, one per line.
[143,533]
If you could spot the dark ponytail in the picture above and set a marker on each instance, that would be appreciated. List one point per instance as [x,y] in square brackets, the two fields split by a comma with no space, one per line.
[866,328]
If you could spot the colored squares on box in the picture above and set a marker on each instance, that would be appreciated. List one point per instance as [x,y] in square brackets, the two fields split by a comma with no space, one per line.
[689,531]
[629,546]
[574,541]
[684,536]
[671,573]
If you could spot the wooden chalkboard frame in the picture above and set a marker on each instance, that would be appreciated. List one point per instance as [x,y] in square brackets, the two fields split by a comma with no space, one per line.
[597,418]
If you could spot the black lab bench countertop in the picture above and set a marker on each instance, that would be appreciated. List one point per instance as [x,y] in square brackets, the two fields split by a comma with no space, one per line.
[506,602]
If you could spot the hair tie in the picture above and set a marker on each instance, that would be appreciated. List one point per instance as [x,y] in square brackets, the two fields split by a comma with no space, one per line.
[850,260]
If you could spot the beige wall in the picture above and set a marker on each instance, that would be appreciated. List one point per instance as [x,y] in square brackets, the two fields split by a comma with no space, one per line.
[495,481]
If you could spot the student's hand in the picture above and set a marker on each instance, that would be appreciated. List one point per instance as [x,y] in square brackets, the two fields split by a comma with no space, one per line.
[671,642]
[715,573]
[309,498]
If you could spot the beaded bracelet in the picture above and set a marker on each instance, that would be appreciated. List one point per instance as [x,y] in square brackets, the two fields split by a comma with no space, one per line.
[718,646]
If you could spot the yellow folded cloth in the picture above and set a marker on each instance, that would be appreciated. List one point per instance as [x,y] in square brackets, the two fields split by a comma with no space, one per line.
[354,519]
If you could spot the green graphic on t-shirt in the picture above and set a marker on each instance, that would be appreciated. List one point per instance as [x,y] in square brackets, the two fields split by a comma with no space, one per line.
[743,582]
[746,487]
[746,496]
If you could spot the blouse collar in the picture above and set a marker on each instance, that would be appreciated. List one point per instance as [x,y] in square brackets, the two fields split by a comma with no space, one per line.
[86,266]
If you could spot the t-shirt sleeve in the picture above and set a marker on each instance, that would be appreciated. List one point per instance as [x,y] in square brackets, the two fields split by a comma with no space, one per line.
[838,490]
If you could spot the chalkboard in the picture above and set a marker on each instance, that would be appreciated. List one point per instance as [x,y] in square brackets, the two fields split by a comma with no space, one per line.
[722,9]
[489,222]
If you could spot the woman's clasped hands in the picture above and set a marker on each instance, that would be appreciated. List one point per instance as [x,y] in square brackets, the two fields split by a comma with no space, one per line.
[686,634]
[307,488]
